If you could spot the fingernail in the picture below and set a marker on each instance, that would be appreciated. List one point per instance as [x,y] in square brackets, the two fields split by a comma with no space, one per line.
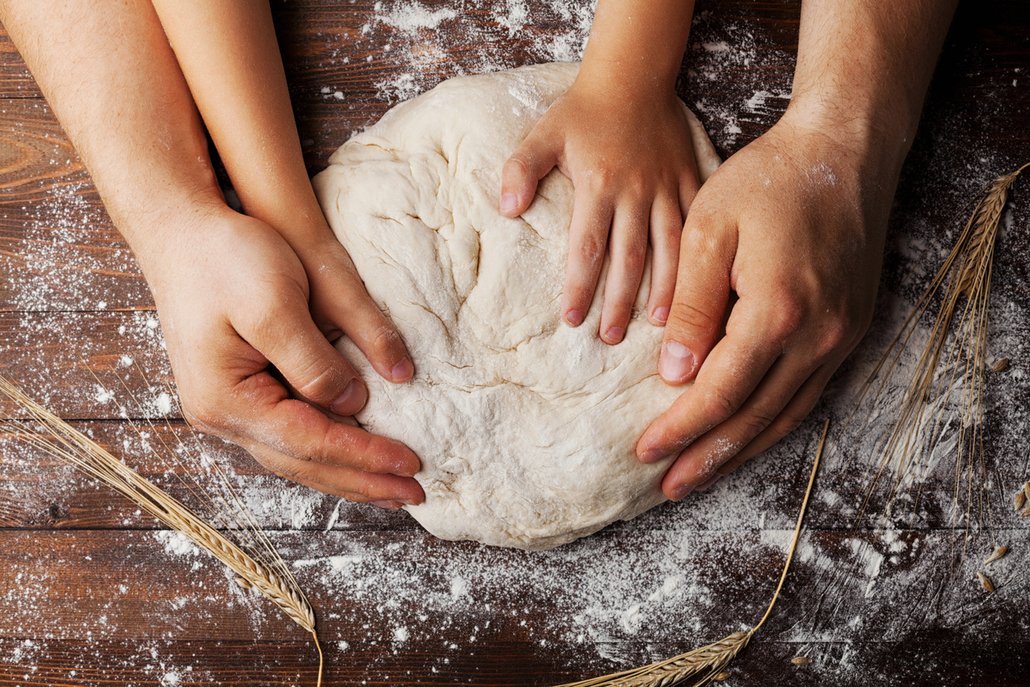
[675,362]
[660,314]
[706,485]
[402,371]
[614,334]
[388,505]
[351,400]
[509,201]
[405,468]
[574,317]
[681,492]
[652,455]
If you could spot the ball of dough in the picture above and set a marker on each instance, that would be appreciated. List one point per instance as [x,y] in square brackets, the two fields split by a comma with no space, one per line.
[525,426]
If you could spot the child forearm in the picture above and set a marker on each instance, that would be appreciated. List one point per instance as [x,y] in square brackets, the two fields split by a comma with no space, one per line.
[230,57]
[637,47]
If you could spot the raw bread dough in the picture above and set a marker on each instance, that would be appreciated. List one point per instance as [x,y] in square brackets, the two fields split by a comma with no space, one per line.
[525,426]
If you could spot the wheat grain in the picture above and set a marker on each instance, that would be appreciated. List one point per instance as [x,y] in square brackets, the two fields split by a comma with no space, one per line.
[1000,365]
[59,439]
[800,661]
[985,582]
[997,554]
[1020,499]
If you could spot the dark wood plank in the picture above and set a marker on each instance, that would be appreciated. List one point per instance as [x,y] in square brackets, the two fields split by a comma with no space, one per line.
[73,361]
[391,598]
[58,248]
[40,492]
[68,663]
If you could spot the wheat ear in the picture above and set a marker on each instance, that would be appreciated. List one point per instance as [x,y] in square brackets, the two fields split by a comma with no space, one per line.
[700,666]
[964,282]
[59,439]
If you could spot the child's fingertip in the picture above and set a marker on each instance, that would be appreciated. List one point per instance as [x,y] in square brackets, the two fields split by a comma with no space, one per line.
[573,317]
[613,335]
[509,203]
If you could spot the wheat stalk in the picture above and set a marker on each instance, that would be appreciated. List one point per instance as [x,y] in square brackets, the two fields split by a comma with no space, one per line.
[963,284]
[700,666]
[59,439]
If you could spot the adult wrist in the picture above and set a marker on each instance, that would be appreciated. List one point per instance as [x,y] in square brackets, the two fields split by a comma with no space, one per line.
[160,225]
[872,134]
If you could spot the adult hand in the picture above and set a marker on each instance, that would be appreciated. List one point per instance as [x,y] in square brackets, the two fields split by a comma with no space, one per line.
[632,164]
[793,225]
[233,300]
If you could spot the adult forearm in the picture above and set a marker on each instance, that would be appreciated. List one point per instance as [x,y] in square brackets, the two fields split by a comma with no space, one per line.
[112,81]
[637,45]
[230,57]
[864,66]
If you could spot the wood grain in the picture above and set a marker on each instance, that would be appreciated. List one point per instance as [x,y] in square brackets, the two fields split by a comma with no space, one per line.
[125,590]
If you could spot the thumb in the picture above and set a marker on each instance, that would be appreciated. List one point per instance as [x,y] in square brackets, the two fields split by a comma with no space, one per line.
[699,303]
[530,163]
[288,336]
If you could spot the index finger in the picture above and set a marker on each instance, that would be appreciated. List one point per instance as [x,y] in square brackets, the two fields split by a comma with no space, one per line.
[729,374]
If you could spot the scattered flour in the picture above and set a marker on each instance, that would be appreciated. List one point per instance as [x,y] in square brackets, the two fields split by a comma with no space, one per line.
[411,17]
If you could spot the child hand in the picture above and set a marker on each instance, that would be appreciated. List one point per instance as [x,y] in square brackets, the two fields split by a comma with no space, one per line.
[630,159]
[233,299]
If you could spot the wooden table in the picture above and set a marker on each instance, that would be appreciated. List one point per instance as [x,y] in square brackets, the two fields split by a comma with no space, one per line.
[93,593]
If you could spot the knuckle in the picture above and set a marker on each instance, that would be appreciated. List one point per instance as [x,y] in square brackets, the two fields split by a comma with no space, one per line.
[320,381]
[345,447]
[599,180]
[590,249]
[755,422]
[836,334]
[517,164]
[293,471]
[319,450]
[787,318]
[203,413]
[685,317]
[786,423]
[698,241]
[717,405]
[386,341]
[634,255]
